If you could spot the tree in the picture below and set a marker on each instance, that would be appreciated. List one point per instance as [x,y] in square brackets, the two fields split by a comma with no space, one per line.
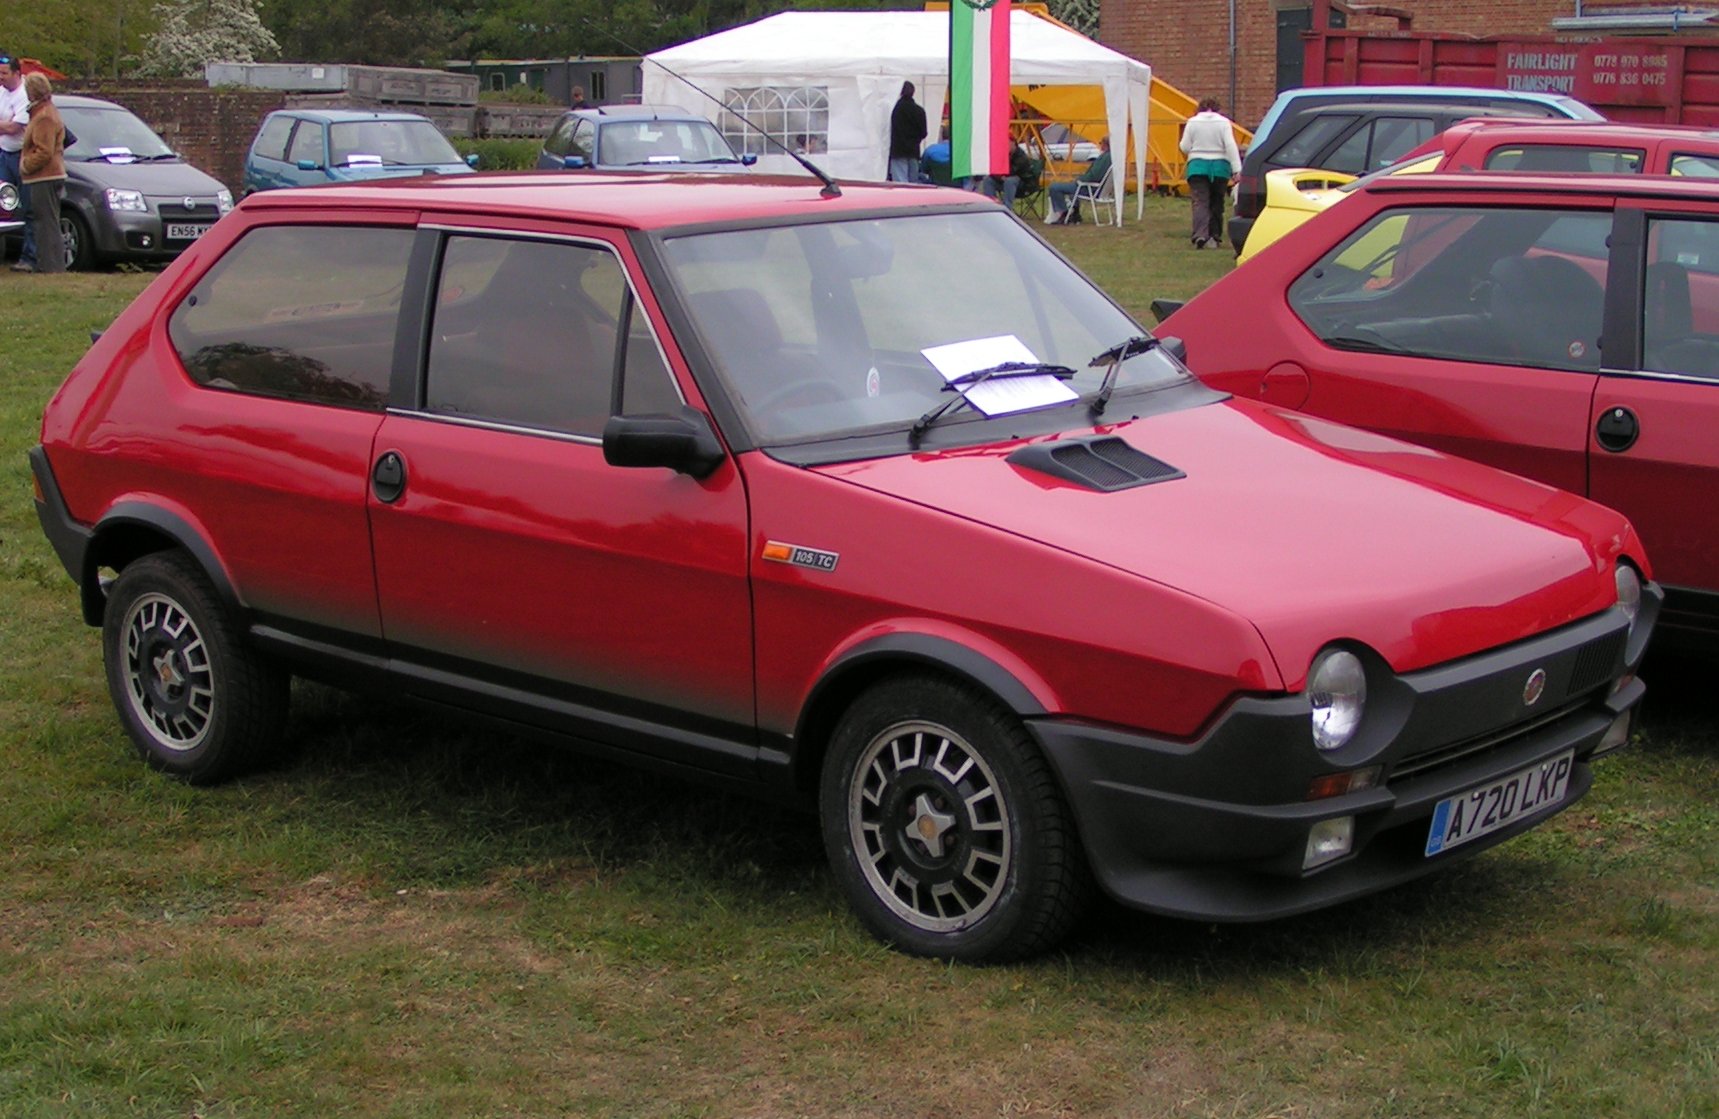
[192,33]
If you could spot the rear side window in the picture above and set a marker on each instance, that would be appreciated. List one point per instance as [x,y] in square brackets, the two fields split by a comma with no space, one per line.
[299,312]
[272,140]
[528,333]
[1566,157]
[1300,149]
[1695,166]
[1379,143]
[1505,286]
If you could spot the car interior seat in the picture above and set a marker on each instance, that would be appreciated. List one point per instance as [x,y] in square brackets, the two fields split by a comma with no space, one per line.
[1669,343]
[1548,311]
[747,340]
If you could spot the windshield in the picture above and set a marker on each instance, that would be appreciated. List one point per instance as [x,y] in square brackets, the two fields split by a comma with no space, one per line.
[630,143]
[841,328]
[112,134]
[391,143]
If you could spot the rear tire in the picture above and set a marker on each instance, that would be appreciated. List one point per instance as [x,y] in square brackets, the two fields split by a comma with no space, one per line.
[197,703]
[946,828]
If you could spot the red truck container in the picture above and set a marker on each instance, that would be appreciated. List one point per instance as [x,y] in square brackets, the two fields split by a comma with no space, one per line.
[1648,80]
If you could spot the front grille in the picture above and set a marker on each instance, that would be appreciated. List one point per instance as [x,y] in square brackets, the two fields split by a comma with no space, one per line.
[1596,661]
[178,211]
[1433,759]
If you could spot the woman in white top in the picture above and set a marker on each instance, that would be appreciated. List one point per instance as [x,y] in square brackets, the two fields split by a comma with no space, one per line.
[1209,142]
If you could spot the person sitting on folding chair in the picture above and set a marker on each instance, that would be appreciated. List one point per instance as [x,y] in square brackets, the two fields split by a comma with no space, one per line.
[1063,210]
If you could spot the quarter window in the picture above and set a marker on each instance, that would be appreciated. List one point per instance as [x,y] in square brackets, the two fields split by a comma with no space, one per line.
[1379,144]
[1506,286]
[272,140]
[1695,166]
[1306,144]
[300,312]
[527,333]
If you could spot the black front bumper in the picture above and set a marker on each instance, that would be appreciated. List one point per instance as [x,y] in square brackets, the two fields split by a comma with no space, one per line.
[1217,829]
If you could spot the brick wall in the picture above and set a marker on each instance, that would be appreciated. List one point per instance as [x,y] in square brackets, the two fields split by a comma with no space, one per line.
[211,128]
[1187,41]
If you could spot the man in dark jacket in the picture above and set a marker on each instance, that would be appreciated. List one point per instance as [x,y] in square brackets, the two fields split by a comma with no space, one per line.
[906,132]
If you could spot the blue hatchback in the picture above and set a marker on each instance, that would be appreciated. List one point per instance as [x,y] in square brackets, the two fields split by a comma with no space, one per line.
[303,147]
[634,137]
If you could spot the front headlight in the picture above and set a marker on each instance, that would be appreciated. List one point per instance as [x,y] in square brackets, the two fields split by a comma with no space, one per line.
[8,198]
[224,201]
[1337,697]
[126,200]
[1629,592]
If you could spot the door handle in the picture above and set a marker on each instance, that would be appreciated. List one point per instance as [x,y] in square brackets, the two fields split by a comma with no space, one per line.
[1618,429]
[388,477]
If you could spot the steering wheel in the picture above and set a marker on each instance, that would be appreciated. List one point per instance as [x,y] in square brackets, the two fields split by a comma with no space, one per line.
[817,390]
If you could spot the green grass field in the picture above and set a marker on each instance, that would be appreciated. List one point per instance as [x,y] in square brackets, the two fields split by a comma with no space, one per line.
[417,917]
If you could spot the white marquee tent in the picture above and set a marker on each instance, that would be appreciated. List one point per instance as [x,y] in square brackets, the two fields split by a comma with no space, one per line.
[799,72]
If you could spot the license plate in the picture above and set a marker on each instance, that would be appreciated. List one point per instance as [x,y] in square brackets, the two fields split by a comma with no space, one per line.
[176,232]
[1478,812]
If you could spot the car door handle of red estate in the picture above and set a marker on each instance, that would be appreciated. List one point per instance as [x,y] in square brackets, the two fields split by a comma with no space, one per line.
[388,477]
[1617,429]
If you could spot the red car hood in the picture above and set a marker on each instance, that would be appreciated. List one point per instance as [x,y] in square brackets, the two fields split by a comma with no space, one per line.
[1423,557]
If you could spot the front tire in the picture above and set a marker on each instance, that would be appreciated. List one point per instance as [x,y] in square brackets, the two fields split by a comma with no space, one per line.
[945,827]
[79,247]
[197,703]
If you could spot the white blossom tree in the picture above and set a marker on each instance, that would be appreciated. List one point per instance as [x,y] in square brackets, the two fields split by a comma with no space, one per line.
[1082,15]
[191,33]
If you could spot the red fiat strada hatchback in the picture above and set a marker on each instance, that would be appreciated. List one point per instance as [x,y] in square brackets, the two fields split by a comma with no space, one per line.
[866,499]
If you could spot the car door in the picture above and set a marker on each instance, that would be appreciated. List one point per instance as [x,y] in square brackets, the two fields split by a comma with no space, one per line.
[514,563]
[1475,329]
[1655,430]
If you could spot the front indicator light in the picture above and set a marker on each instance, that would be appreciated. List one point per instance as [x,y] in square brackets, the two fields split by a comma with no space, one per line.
[1328,841]
[1616,735]
[1339,784]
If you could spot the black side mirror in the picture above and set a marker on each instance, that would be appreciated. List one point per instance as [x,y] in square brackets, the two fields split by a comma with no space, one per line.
[1164,308]
[682,441]
[1175,347]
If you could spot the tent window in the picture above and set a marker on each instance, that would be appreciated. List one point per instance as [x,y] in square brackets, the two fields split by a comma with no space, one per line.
[797,117]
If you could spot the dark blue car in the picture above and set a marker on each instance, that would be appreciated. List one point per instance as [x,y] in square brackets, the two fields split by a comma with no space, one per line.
[622,137]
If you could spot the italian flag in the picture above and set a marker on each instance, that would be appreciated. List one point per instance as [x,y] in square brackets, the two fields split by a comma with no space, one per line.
[978,87]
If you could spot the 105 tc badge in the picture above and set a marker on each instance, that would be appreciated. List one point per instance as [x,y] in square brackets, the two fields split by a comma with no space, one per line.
[1470,815]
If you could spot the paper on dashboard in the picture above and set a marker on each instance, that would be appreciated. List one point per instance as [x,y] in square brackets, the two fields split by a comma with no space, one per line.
[1007,394]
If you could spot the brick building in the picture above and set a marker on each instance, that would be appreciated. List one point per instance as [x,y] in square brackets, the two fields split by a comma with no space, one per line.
[1187,42]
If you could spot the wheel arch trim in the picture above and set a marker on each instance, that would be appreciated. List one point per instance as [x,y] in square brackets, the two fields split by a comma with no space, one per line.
[121,521]
[871,657]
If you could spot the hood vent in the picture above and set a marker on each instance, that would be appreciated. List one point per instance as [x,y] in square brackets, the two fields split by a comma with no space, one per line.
[1104,463]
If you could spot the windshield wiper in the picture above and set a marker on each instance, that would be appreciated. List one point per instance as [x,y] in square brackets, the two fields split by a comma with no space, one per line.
[1000,372]
[1114,357]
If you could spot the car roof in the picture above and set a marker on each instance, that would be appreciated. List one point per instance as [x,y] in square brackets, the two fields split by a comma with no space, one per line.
[343,116]
[629,199]
[1584,186]
[638,112]
[78,101]
[1563,130]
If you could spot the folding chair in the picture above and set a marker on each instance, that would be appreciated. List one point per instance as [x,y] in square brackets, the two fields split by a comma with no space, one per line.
[1100,194]
[1030,198]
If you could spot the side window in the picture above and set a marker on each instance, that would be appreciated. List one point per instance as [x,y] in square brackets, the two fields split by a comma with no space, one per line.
[584,140]
[1504,286]
[1566,157]
[1680,313]
[1300,149]
[1395,137]
[525,333]
[1695,166]
[301,312]
[307,143]
[561,136]
[1351,155]
[272,140]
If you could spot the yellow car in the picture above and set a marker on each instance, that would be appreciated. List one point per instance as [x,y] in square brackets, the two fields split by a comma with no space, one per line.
[1295,194]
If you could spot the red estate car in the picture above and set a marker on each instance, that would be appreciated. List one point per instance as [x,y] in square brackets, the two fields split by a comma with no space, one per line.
[1581,146]
[1565,328]
[863,499]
